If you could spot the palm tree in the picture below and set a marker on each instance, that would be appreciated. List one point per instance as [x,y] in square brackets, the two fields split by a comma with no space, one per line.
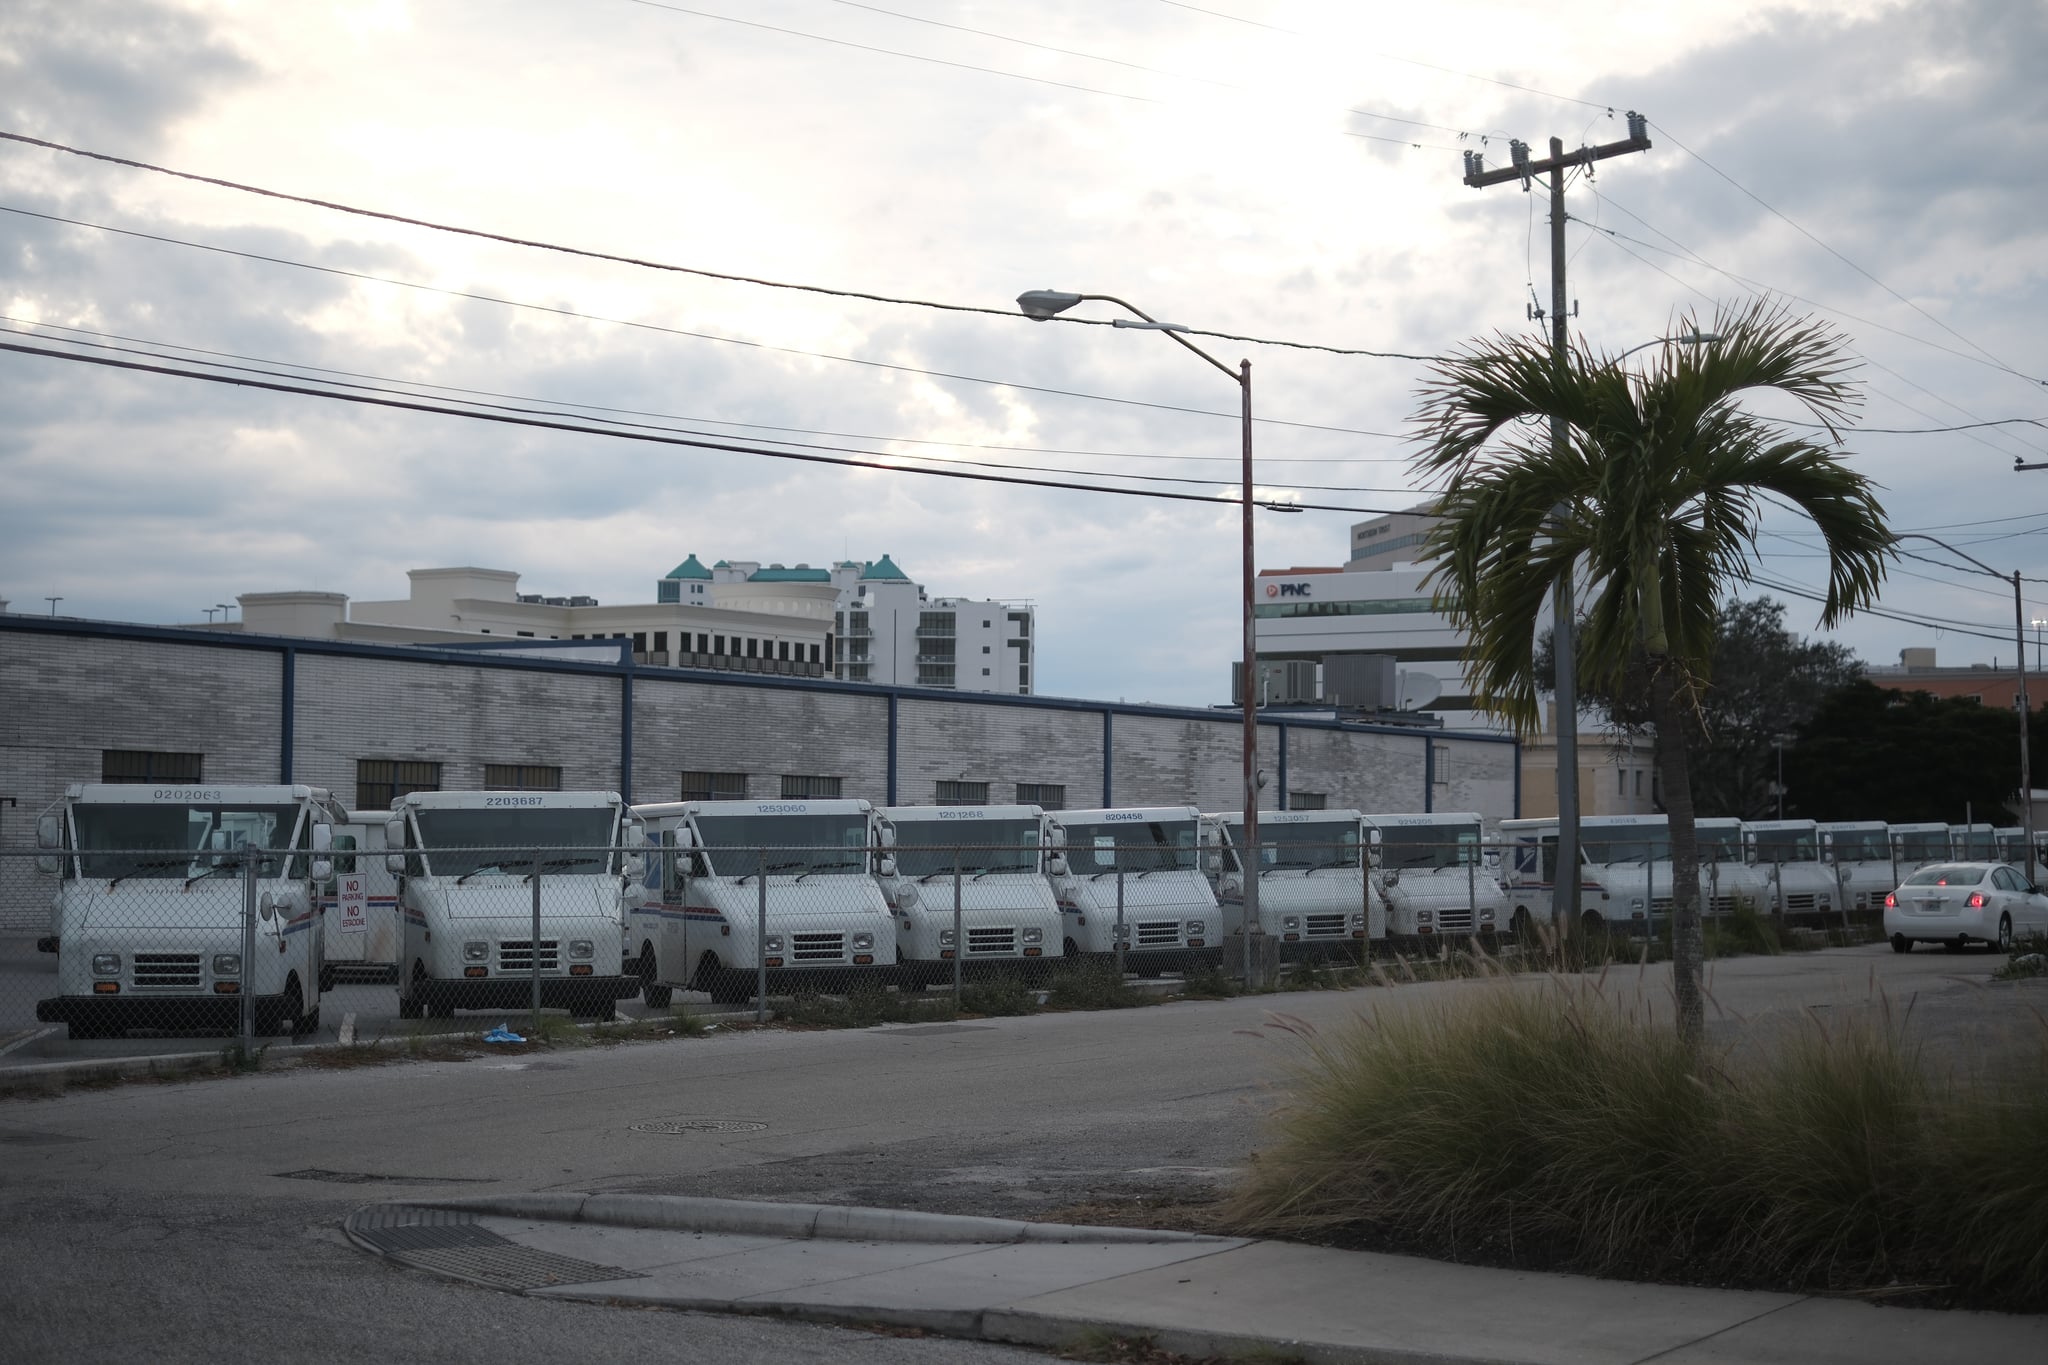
[1648,502]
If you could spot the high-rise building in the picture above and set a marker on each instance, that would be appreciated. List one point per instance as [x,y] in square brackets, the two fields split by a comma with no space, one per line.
[888,628]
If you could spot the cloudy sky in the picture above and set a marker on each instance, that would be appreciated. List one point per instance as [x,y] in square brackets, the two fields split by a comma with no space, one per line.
[1279,169]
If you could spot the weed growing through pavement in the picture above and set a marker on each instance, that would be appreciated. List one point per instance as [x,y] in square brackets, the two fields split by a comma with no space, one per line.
[997,996]
[1090,986]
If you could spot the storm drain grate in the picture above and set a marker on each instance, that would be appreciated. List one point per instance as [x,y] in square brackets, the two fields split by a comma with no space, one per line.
[449,1242]
[678,1126]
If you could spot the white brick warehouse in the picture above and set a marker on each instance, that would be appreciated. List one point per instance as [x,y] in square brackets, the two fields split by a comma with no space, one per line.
[77,696]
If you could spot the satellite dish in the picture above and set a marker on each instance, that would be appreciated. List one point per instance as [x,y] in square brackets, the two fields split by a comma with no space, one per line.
[1418,689]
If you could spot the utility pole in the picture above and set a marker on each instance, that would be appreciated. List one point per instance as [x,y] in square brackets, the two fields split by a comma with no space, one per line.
[1565,896]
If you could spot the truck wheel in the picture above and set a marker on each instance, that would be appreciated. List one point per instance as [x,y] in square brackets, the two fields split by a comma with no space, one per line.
[308,1023]
[1518,925]
[409,1002]
[652,991]
[326,978]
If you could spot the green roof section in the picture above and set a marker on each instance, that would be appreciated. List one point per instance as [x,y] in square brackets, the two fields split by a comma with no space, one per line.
[884,568]
[689,568]
[775,573]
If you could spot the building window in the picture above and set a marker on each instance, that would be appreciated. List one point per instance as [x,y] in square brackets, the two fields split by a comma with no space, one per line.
[1308,800]
[1620,782]
[661,641]
[1639,782]
[984,673]
[753,649]
[522,777]
[703,644]
[124,766]
[815,654]
[718,644]
[380,781]
[1050,795]
[525,634]
[782,650]
[810,788]
[704,786]
[960,794]
[984,649]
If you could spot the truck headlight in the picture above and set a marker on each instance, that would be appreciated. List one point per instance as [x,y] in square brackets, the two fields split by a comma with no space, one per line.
[863,943]
[1486,916]
[1822,901]
[1357,919]
[1424,916]
[945,938]
[1038,935]
[1636,903]
[477,951]
[109,964]
[580,949]
[772,944]
[224,964]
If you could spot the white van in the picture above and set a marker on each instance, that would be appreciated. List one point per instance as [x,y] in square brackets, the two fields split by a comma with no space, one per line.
[1918,843]
[466,895]
[1860,852]
[1314,897]
[1433,876]
[360,905]
[1169,913]
[153,906]
[1785,855]
[713,865]
[1007,913]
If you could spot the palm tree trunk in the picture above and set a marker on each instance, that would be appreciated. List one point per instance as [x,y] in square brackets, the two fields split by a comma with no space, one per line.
[1688,947]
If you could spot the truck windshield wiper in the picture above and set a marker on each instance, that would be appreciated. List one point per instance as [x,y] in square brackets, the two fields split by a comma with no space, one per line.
[772,867]
[140,868]
[491,868]
[555,865]
[213,871]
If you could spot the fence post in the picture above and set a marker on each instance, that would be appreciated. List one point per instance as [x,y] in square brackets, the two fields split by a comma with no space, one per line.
[533,951]
[761,937]
[1365,900]
[248,1011]
[1472,887]
[1120,920]
[959,932]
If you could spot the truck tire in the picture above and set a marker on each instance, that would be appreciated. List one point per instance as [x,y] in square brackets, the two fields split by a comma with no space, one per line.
[409,1002]
[653,992]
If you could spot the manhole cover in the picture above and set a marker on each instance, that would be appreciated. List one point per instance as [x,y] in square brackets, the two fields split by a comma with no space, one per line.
[699,1126]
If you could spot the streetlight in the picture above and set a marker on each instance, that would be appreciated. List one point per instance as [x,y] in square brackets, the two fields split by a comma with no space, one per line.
[224,608]
[209,613]
[2038,622]
[1044,303]
[53,601]
[2019,618]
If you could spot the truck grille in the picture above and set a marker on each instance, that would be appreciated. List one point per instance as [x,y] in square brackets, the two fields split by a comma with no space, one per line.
[1158,933]
[817,947]
[1456,920]
[1325,926]
[516,955]
[167,971]
[1002,942]
[1801,904]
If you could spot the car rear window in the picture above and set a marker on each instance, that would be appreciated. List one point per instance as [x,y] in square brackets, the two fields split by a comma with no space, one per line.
[1946,876]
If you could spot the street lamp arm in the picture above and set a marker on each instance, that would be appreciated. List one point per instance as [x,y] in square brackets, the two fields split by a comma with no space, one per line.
[1042,304]
[1692,338]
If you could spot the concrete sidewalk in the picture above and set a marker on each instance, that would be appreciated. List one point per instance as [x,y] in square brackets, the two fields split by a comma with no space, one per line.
[1046,1285]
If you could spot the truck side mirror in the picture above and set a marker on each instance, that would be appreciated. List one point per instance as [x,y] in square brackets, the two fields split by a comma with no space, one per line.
[49,830]
[633,867]
[394,833]
[1056,865]
[394,863]
[323,837]
[323,869]
[885,866]
[1212,861]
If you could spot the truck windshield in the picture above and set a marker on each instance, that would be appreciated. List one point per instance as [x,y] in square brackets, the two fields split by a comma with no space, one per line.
[1136,846]
[1922,844]
[1428,846]
[927,848]
[1975,843]
[121,840]
[462,843]
[1643,845]
[1306,846]
[1862,846]
[735,844]
[1722,845]
[1787,845]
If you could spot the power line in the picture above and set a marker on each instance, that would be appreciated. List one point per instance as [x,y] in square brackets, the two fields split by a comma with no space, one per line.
[409,389]
[1994,360]
[690,443]
[1982,633]
[1010,314]
[683,331]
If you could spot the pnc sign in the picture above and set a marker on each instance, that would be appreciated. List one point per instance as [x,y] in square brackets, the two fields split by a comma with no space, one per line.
[1287,589]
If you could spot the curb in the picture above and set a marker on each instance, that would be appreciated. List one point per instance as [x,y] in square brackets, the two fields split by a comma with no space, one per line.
[853,1223]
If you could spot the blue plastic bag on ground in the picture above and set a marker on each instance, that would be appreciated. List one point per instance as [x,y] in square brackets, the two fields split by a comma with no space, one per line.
[501,1034]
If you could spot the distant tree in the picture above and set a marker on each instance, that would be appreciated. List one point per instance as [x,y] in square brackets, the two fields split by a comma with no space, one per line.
[1762,683]
[1870,754]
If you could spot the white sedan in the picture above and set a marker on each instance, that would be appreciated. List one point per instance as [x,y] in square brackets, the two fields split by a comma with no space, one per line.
[1956,904]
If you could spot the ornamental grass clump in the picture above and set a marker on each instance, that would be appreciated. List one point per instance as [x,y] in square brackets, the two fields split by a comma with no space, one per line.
[1549,1125]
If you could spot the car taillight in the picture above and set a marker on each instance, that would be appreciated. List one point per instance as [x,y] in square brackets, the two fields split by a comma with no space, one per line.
[1976,901]
[1891,900]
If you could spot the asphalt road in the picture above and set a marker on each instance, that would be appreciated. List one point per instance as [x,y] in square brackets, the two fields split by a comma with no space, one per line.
[197,1219]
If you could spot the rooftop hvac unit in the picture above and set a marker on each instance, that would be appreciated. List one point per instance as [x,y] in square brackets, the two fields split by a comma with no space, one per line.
[1281,682]
[1363,682]
[583,601]
[556,601]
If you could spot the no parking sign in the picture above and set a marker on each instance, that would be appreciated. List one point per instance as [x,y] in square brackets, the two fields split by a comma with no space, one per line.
[352,898]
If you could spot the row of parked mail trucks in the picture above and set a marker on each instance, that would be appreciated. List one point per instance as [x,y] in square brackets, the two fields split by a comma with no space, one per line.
[175,903]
